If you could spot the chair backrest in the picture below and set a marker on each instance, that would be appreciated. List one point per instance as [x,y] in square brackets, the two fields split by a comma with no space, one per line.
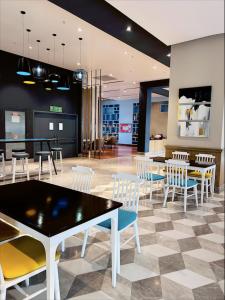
[176,173]
[177,155]
[126,189]
[205,158]
[143,166]
[82,178]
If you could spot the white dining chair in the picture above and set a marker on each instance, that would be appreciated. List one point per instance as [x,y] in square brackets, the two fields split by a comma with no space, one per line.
[82,178]
[179,155]
[177,178]
[126,189]
[20,260]
[145,171]
[209,175]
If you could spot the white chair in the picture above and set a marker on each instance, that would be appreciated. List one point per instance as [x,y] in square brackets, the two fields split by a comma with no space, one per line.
[23,158]
[20,260]
[2,161]
[177,178]
[180,155]
[144,169]
[82,178]
[126,189]
[209,176]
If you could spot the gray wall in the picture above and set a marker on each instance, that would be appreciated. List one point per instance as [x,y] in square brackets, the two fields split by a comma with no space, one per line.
[198,63]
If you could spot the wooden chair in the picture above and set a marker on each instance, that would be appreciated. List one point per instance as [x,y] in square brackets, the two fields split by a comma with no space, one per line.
[208,178]
[126,189]
[177,178]
[144,169]
[20,260]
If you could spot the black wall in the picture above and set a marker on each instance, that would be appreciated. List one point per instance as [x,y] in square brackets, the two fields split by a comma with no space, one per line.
[18,96]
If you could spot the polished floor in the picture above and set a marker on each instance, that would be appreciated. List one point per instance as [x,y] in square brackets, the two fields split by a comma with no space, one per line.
[182,255]
[115,151]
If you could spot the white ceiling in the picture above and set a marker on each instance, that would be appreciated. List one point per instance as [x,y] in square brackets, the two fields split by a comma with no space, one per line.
[99,50]
[175,21]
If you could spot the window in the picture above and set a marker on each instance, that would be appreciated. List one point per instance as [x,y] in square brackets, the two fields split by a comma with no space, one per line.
[164,108]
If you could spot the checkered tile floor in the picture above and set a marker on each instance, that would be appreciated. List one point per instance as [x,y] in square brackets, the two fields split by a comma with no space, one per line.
[182,255]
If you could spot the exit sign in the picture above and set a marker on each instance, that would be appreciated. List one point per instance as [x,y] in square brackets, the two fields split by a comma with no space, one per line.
[54,108]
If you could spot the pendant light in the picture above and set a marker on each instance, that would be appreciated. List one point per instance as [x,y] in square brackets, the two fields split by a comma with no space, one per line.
[54,77]
[48,85]
[23,67]
[79,74]
[64,82]
[39,71]
[28,79]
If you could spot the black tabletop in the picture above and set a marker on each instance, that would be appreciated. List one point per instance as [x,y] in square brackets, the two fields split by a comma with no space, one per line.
[192,163]
[51,209]
[32,140]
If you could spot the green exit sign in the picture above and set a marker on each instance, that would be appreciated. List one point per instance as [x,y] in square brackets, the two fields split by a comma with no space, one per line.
[54,108]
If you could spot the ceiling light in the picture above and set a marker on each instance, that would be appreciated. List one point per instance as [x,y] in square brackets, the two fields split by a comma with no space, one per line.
[124,91]
[39,71]
[80,75]
[64,82]
[125,52]
[30,47]
[128,28]
[111,75]
[78,63]
[169,54]
[53,77]
[154,67]
[134,82]
[79,29]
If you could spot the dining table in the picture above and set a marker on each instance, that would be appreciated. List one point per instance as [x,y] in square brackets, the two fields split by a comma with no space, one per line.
[34,140]
[193,165]
[51,214]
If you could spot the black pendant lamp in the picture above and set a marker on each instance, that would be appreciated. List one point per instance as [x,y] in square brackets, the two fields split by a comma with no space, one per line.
[23,66]
[79,74]
[28,79]
[39,71]
[54,77]
[63,84]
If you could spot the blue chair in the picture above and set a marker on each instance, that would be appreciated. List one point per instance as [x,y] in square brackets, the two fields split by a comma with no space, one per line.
[126,189]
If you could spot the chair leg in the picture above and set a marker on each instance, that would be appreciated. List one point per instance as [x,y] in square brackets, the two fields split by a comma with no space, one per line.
[118,253]
[14,169]
[3,294]
[185,200]
[61,161]
[84,243]
[3,165]
[207,188]
[151,186]
[39,171]
[137,237]
[211,186]
[63,246]
[166,195]
[27,282]
[196,195]
[173,194]
[27,169]
[50,166]
[56,286]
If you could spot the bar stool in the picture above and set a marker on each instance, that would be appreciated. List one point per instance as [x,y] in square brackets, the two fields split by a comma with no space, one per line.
[22,150]
[2,160]
[58,151]
[21,156]
[43,154]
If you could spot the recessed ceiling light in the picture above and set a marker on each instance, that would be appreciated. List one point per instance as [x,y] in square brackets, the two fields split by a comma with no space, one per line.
[169,54]
[111,75]
[78,63]
[154,67]
[30,47]
[134,82]
[105,86]
[79,29]
[128,28]
[124,91]
[125,52]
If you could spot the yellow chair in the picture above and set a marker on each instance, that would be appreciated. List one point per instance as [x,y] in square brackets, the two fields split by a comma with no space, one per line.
[7,232]
[21,259]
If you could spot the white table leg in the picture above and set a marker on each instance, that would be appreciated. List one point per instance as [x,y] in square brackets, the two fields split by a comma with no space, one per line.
[114,245]
[202,187]
[50,269]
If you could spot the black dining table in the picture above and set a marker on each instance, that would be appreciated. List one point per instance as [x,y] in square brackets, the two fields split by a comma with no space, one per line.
[51,213]
[34,140]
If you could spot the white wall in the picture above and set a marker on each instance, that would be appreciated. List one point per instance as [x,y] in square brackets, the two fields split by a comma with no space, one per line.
[198,63]
[126,116]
